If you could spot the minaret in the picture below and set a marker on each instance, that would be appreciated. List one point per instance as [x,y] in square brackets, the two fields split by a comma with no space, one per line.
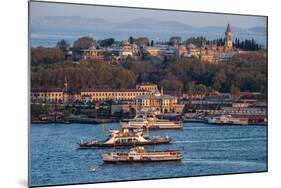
[228,37]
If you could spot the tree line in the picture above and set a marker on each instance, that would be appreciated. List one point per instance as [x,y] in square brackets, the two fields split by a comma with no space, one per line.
[247,72]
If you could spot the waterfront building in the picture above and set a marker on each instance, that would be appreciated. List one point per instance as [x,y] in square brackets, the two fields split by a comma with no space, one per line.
[112,94]
[158,103]
[148,87]
[47,95]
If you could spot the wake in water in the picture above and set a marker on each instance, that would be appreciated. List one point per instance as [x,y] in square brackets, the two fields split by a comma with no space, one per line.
[221,140]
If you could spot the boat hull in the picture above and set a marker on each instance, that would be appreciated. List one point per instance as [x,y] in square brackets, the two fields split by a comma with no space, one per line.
[126,125]
[141,161]
[105,145]
[141,157]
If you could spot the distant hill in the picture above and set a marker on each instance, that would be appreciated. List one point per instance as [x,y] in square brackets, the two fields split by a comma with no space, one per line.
[153,24]
[48,30]
[261,30]
[142,24]
[69,22]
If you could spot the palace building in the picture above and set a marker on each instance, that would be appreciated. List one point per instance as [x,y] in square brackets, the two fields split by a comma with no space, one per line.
[158,103]
[148,87]
[112,94]
[47,95]
[93,53]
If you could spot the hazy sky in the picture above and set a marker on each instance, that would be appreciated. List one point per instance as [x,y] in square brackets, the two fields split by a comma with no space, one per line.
[39,9]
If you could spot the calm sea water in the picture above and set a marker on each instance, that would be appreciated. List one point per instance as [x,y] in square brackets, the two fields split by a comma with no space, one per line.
[207,149]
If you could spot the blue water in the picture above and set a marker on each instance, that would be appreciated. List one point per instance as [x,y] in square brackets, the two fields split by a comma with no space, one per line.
[207,149]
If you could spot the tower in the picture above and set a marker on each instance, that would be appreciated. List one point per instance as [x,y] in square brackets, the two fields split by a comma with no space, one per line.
[228,37]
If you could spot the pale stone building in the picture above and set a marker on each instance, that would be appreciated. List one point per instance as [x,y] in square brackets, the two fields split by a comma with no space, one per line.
[47,95]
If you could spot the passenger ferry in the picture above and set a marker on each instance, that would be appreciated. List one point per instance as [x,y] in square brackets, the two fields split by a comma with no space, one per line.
[144,122]
[139,154]
[228,120]
[124,138]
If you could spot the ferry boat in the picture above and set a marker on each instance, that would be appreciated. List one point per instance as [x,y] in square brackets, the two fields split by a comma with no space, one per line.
[124,138]
[139,154]
[194,120]
[228,120]
[143,122]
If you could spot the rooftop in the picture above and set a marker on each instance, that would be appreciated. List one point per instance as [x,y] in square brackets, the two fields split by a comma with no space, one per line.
[46,90]
[156,97]
[111,90]
[228,29]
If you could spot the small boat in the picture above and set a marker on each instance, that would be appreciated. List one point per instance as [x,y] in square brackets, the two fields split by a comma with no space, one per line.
[92,170]
[139,154]
[124,138]
[228,120]
[143,122]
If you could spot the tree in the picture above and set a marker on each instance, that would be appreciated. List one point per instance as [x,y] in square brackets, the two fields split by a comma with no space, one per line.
[190,86]
[107,42]
[83,43]
[198,41]
[201,89]
[235,92]
[46,55]
[63,45]
[125,78]
[142,41]
[171,85]
[131,40]
[175,40]
[218,79]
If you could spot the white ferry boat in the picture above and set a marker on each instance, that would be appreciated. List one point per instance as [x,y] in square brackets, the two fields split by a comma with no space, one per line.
[124,138]
[228,120]
[139,154]
[143,122]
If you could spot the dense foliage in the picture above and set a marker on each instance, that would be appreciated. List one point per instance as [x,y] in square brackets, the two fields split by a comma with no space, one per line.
[244,72]
[46,55]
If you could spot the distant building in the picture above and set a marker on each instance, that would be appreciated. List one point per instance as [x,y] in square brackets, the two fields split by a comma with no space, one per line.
[148,87]
[152,51]
[93,53]
[182,51]
[192,50]
[126,49]
[228,37]
[158,103]
[47,95]
[112,94]
[207,55]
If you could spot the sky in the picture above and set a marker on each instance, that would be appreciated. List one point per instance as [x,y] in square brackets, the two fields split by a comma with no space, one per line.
[195,19]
